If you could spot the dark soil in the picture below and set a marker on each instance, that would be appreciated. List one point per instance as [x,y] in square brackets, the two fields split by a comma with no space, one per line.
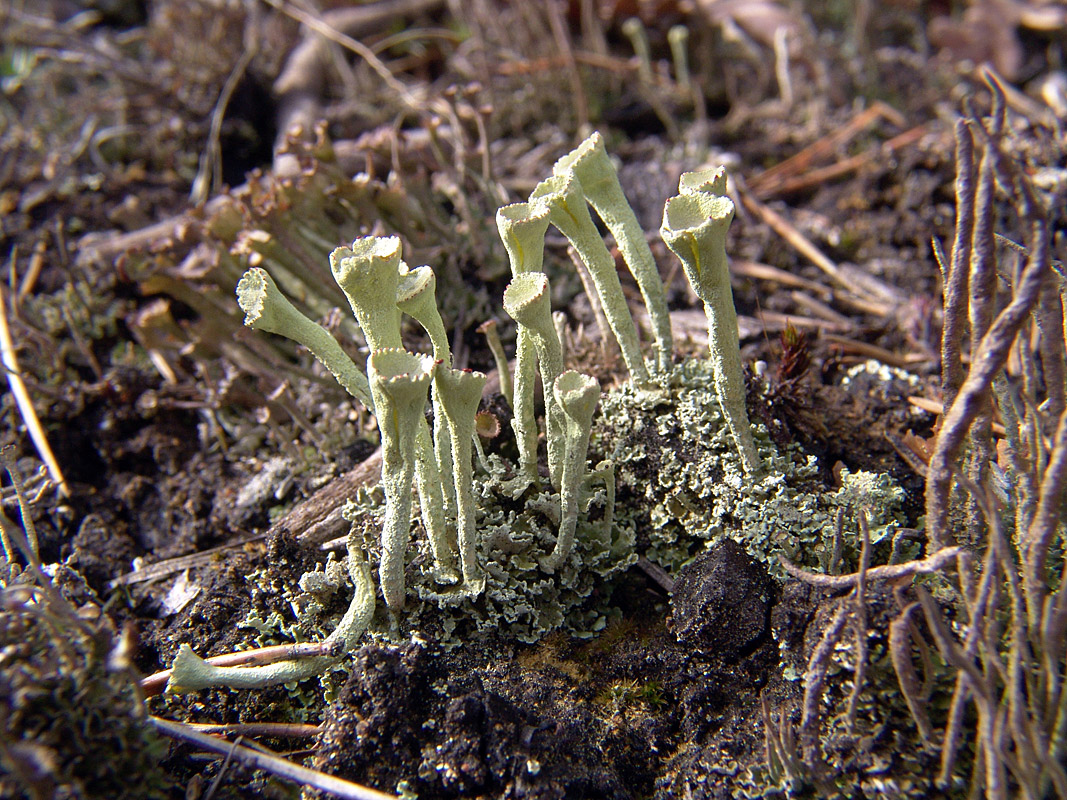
[666,701]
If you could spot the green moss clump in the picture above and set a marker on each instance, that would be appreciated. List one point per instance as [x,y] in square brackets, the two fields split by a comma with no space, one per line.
[71,724]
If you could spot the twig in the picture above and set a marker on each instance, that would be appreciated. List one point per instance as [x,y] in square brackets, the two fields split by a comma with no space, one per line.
[753,269]
[819,309]
[934,407]
[10,363]
[278,730]
[657,574]
[800,243]
[209,171]
[162,569]
[270,763]
[574,78]
[869,350]
[888,572]
[372,13]
[817,177]
[770,181]
[29,280]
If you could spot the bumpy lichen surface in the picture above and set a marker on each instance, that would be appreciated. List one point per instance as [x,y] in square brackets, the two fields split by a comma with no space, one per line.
[520,600]
[680,488]
[682,485]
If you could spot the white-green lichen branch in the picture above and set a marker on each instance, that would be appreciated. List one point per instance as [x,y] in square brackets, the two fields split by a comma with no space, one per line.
[416,297]
[527,301]
[577,396]
[591,165]
[460,392]
[267,309]
[190,672]
[399,382]
[522,228]
[694,227]
[569,213]
[396,383]
[368,273]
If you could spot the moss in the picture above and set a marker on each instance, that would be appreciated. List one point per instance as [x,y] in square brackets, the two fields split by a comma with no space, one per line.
[73,724]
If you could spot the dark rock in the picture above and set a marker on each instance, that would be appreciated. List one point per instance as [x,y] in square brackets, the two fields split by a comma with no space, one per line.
[721,603]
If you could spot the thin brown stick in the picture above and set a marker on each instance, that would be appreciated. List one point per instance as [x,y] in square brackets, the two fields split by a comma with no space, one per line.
[820,176]
[563,41]
[9,363]
[769,181]
[161,569]
[803,245]
[868,350]
[270,763]
[277,730]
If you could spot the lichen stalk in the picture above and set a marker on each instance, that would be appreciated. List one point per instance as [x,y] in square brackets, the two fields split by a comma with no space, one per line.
[416,297]
[460,392]
[591,165]
[562,194]
[399,382]
[190,672]
[694,227]
[577,396]
[522,228]
[368,273]
[496,347]
[267,309]
[527,300]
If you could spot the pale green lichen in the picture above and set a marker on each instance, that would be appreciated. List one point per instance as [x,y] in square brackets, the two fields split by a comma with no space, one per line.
[676,458]
[685,487]
[519,600]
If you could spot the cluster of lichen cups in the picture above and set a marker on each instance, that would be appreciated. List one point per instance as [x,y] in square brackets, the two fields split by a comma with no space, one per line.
[380,288]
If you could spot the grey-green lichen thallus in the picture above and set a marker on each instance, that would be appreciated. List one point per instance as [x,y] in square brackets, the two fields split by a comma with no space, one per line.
[514,547]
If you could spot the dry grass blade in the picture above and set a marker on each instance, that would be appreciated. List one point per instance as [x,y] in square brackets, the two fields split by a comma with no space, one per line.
[797,169]
[862,298]
[10,364]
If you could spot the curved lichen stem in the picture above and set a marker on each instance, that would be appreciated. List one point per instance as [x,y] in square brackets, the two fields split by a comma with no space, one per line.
[562,194]
[694,227]
[267,309]
[591,165]
[190,672]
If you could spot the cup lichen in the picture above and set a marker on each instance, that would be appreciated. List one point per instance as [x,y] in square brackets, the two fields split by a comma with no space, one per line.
[689,467]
